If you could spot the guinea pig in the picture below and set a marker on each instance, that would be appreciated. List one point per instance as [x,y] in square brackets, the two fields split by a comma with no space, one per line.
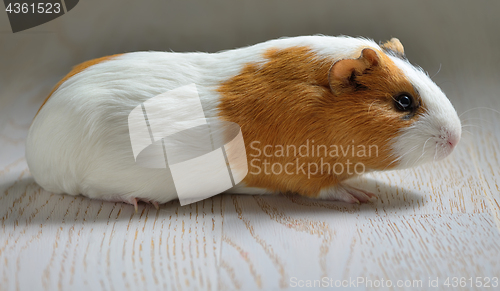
[308,107]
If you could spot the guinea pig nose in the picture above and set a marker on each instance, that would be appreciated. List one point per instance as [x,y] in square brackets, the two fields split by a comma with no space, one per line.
[451,137]
[453,140]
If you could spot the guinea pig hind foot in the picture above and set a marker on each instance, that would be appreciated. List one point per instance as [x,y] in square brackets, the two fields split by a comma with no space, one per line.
[345,193]
[133,201]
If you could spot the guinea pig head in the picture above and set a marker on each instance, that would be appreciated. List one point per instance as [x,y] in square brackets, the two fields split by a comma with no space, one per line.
[380,100]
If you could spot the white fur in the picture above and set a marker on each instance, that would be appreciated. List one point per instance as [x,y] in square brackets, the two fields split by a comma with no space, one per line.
[79,142]
[427,139]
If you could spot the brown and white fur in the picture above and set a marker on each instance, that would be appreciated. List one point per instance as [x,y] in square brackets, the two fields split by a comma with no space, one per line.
[321,89]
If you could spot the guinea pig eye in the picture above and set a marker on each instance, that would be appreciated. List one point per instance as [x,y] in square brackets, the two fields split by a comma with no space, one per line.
[404,102]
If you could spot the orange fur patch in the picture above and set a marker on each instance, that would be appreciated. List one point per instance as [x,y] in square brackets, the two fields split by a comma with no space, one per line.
[76,69]
[288,101]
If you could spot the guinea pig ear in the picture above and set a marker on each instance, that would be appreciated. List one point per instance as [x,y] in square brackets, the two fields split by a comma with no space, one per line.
[394,46]
[342,74]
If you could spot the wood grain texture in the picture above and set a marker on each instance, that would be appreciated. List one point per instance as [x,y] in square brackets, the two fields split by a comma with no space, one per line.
[63,242]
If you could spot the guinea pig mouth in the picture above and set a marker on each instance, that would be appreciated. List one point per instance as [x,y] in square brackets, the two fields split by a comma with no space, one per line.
[443,149]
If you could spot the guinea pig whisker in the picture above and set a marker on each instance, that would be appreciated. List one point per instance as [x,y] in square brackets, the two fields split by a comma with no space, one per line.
[423,148]
[395,160]
[477,108]
[371,105]
[388,158]
[471,118]
[471,125]
[484,121]
[421,156]
[475,118]
[398,159]
[414,162]
[435,152]
[439,70]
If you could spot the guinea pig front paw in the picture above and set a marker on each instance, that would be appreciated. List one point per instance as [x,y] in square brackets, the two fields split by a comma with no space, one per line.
[346,193]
